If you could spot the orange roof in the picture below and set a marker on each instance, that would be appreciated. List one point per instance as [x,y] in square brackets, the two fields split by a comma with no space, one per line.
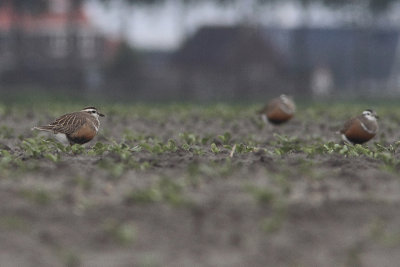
[33,22]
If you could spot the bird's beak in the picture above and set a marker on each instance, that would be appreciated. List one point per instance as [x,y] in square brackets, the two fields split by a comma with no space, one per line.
[101,115]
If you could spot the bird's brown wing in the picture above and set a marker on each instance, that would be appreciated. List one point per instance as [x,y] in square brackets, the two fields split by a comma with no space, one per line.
[68,123]
[269,107]
[347,125]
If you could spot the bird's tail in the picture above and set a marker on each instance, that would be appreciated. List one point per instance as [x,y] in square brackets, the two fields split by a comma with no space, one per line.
[47,128]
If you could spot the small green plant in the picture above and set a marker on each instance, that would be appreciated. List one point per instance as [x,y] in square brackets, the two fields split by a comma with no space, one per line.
[285,145]
[122,233]
[53,157]
[214,148]
[85,183]
[38,196]
[225,138]
[147,195]
[171,146]
[189,138]
[77,149]
[37,147]
[6,132]
[262,195]
[6,157]
[165,190]
[275,221]
[115,169]
[98,149]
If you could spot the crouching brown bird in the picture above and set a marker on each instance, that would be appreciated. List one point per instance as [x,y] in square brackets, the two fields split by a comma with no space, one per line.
[278,110]
[360,129]
[76,128]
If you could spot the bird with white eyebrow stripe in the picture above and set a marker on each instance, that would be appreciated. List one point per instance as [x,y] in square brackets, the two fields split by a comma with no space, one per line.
[279,110]
[360,129]
[76,128]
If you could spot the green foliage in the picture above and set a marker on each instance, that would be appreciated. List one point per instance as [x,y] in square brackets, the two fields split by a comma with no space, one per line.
[6,132]
[115,169]
[286,145]
[6,157]
[243,148]
[77,149]
[122,233]
[189,138]
[268,163]
[52,157]
[262,195]
[98,149]
[38,196]
[225,138]
[214,148]
[275,221]
[165,190]
[38,148]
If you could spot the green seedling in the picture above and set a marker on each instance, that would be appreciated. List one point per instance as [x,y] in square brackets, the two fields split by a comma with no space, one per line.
[189,138]
[38,196]
[225,138]
[165,190]
[53,157]
[6,132]
[261,195]
[115,170]
[185,147]
[122,233]
[215,149]
[77,149]
[171,146]
[98,149]
[6,157]
[243,148]
[285,145]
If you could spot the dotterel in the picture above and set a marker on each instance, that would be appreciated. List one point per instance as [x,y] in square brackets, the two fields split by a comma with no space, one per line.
[278,110]
[76,128]
[360,129]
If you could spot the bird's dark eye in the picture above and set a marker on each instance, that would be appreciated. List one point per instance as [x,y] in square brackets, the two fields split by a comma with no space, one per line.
[93,111]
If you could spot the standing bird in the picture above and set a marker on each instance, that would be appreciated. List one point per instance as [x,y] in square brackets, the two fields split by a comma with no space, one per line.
[360,129]
[278,110]
[76,128]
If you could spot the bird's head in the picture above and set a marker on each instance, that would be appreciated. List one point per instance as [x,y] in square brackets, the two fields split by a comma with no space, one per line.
[93,111]
[370,114]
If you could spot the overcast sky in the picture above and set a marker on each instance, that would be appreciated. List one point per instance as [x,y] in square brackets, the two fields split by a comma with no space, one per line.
[164,26]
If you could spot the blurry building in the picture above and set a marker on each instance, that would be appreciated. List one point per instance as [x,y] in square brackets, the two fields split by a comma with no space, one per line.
[237,62]
[229,62]
[348,59]
[54,46]
[321,82]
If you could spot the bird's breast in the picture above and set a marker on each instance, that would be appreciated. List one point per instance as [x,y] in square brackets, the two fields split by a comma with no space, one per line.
[277,115]
[356,133]
[84,134]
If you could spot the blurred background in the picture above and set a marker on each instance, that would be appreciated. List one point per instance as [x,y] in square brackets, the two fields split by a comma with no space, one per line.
[212,50]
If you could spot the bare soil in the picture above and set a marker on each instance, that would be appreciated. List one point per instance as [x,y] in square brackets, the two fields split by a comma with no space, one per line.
[254,209]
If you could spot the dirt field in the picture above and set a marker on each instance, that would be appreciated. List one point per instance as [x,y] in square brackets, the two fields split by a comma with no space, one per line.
[199,186]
